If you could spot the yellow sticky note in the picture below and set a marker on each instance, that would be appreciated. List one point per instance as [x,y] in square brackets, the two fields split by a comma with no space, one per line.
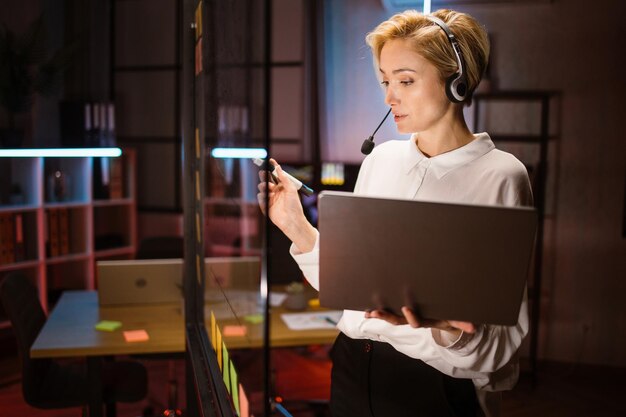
[234,383]
[218,342]
[244,405]
[213,334]
[108,325]
[226,368]
[199,20]
[136,336]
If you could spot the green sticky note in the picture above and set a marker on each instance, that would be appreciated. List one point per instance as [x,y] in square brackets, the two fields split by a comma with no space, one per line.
[234,384]
[254,318]
[108,325]
[226,367]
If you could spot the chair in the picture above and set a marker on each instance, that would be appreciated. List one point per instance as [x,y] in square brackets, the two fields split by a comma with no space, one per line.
[50,384]
[164,247]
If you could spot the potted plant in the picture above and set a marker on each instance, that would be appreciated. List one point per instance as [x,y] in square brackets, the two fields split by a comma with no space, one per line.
[25,71]
[296,297]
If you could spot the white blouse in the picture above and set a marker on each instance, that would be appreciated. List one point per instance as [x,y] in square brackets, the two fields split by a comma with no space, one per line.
[475,173]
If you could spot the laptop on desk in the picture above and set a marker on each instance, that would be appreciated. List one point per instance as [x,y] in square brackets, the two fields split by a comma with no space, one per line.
[158,281]
[447,261]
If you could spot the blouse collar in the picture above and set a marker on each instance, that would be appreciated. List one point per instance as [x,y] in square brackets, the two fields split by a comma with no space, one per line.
[440,165]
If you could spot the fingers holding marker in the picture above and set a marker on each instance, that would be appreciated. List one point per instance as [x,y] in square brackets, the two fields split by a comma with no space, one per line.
[282,177]
[267,186]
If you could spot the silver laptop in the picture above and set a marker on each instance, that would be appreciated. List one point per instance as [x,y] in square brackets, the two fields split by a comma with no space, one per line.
[158,281]
[447,261]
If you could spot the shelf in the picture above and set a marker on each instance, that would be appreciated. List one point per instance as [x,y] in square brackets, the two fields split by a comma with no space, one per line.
[68,204]
[535,111]
[113,202]
[51,235]
[20,265]
[18,208]
[67,258]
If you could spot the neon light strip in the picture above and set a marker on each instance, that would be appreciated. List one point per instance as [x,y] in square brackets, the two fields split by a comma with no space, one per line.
[239,153]
[427,7]
[60,152]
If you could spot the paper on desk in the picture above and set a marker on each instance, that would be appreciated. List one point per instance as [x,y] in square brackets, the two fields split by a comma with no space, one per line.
[277,298]
[312,320]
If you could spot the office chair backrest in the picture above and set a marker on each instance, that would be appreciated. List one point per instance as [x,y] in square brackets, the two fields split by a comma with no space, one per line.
[21,303]
[47,383]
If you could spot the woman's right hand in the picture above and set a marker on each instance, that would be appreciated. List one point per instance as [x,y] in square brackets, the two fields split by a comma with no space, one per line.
[285,209]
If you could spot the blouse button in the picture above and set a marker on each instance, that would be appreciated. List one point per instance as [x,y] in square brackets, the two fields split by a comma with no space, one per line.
[368,347]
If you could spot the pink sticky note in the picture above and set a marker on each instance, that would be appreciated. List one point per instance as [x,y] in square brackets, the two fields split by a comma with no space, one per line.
[244,406]
[136,336]
[232,330]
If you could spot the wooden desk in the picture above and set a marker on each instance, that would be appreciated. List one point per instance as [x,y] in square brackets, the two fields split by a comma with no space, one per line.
[70,332]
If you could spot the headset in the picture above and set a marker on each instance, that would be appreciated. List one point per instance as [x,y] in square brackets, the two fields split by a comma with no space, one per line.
[456,84]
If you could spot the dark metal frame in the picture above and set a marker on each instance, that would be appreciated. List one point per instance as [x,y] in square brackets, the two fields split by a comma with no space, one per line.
[142,140]
[206,392]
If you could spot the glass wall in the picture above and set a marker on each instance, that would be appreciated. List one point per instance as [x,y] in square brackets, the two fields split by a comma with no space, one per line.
[225,118]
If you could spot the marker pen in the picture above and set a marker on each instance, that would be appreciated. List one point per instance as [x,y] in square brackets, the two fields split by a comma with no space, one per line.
[301,187]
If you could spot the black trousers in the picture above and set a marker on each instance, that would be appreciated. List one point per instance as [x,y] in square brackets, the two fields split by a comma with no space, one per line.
[372,379]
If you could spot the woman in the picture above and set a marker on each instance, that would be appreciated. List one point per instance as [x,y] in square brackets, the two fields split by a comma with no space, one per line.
[387,365]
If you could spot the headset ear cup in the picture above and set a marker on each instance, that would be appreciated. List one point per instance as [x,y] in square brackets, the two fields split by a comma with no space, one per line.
[456,91]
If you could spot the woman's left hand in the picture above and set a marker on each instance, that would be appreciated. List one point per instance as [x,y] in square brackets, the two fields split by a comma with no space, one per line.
[409,317]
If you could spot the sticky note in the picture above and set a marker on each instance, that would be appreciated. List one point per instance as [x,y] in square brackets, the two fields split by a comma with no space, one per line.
[314,302]
[218,342]
[254,318]
[234,383]
[108,325]
[136,336]
[226,368]
[235,331]
[213,335]
[244,405]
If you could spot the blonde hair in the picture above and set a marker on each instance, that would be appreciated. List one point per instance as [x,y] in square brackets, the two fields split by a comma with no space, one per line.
[431,42]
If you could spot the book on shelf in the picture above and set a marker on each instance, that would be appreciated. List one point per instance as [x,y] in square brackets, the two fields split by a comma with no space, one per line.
[2,239]
[116,184]
[64,232]
[20,249]
[10,232]
[85,123]
[7,239]
[53,233]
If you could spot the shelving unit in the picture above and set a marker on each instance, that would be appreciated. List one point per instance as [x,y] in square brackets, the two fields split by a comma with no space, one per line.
[529,127]
[54,229]
[232,216]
